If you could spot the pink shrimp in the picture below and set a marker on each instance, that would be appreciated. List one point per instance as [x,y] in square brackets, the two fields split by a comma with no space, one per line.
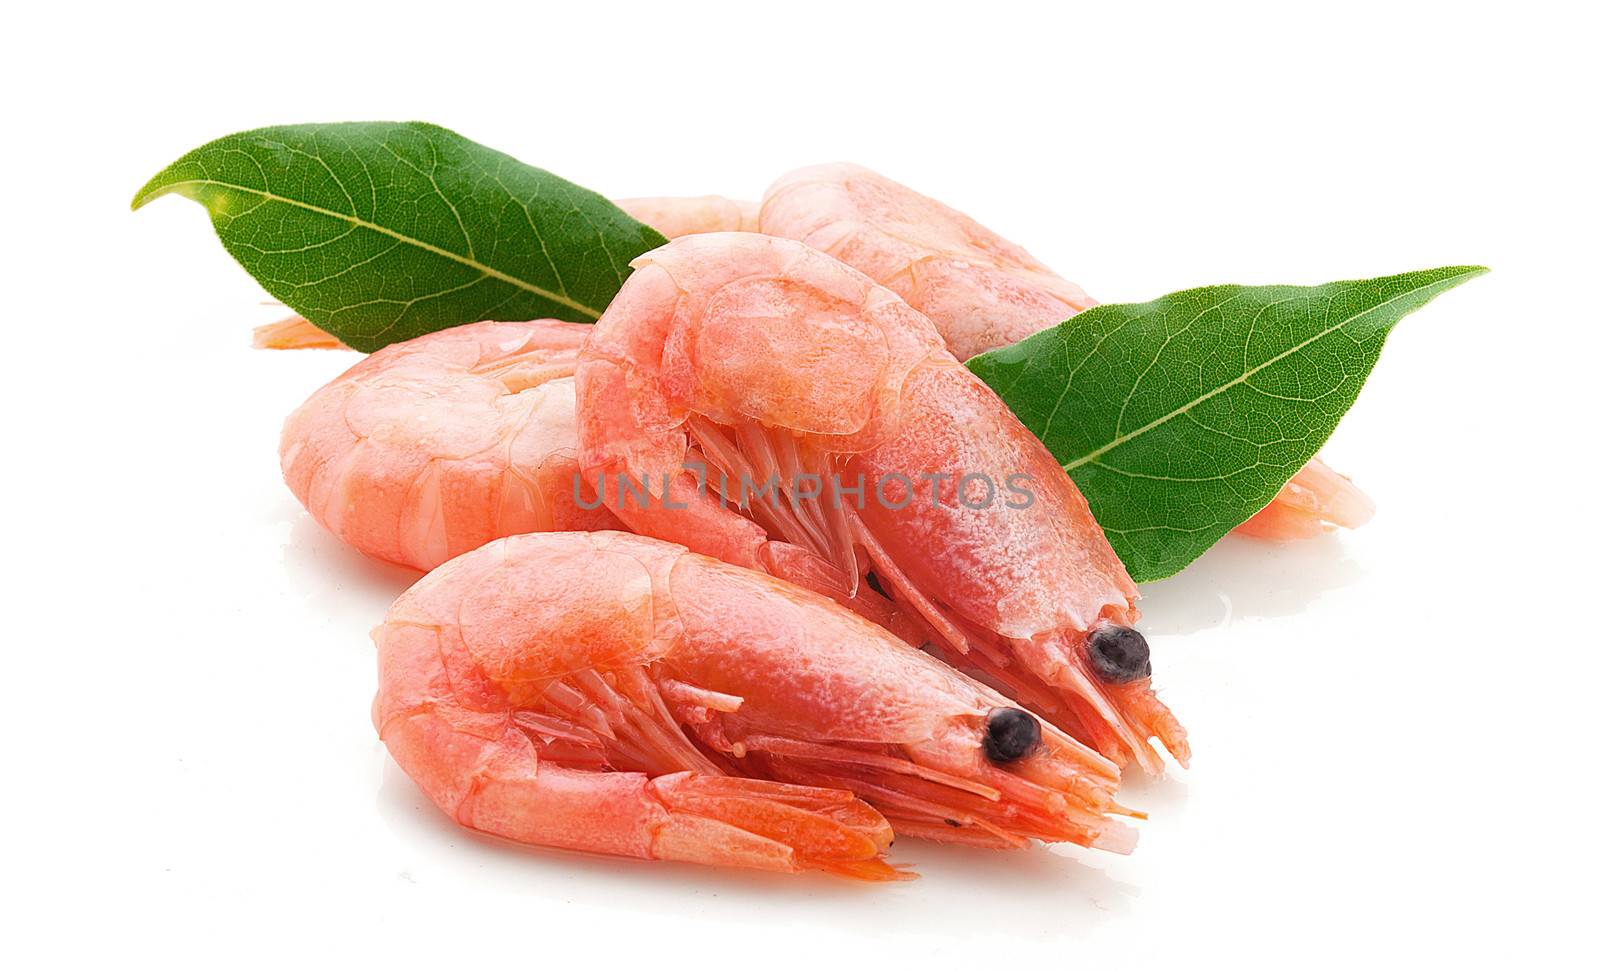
[1314,501]
[293,333]
[608,693]
[430,447]
[763,361]
[980,290]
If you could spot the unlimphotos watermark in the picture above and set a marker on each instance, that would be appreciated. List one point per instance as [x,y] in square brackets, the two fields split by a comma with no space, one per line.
[892,491]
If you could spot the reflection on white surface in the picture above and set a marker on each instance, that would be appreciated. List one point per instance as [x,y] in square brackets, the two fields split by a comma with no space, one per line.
[1242,577]
[329,573]
[1032,889]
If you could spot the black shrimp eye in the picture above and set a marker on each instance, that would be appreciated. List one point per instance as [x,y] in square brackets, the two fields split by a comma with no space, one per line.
[1119,654]
[1009,735]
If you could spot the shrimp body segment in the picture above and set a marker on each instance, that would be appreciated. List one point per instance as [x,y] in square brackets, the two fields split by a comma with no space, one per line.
[430,447]
[980,290]
[765,361]
[610,693]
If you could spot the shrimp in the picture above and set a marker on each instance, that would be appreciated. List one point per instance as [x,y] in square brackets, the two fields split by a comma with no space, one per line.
[1314,501]
[742,358]
[430,447]
[609,693]
[980,290]
[433,446]
[293,333]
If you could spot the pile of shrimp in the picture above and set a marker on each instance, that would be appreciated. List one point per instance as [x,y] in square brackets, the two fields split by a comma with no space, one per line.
[620,648]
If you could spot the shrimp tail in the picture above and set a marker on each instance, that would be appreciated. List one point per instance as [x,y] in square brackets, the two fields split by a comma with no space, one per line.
[1316,500]
[770,825]
[293,333]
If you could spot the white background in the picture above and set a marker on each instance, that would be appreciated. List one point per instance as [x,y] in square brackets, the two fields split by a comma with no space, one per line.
[1394,757]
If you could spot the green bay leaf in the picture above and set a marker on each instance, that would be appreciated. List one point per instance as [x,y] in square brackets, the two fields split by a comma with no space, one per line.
[381,231]
[1181,418]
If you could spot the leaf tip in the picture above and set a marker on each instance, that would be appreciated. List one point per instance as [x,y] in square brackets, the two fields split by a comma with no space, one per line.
[1451,277]
[150,190]
[1460,272]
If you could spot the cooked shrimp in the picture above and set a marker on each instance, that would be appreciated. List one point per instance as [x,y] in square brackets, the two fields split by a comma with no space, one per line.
[293,333]
[676,216]
[761,360]
[616,694]
[980,290]
[1316,500]
[430,447]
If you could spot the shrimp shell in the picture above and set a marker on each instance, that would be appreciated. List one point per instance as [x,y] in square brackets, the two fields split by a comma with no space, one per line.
[431,447]
[617,694]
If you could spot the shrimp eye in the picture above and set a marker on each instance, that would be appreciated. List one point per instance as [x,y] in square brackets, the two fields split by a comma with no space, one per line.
[1119,654]
[1009,735]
